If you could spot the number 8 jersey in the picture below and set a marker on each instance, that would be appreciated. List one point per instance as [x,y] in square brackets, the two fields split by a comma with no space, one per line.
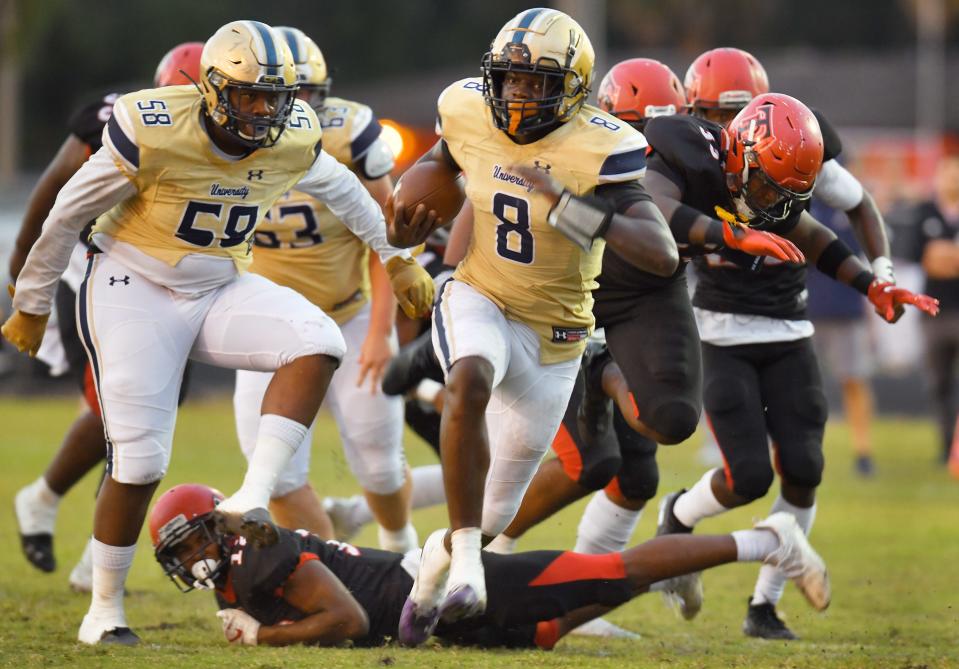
[516,259]
[191,198]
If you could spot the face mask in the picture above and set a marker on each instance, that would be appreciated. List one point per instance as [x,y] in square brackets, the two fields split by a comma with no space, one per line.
[202,570]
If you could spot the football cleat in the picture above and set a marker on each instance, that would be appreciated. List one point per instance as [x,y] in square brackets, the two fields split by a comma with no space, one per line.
[254,525]
[466,589]
[683,593]
[94,631]
[865,467]
[342,513]
[35,522]
[595,415]
[797,559]
[763,623]
[413,363]
[602,628]
[421,610]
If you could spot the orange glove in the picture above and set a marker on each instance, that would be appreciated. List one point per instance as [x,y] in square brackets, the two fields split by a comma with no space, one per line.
[756,242]
[886,297]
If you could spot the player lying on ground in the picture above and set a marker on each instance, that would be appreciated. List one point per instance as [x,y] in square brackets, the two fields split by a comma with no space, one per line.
[305,590]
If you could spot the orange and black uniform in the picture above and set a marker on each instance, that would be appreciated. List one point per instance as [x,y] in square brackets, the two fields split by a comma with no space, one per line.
[530,587]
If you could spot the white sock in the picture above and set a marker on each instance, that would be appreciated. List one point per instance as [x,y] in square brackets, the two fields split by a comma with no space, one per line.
[36,506]
[111,564]
[605,527]
[428,487]
[466,543]
[277,439]
[402,540]
[771,582]
[501,544]
[754,545]
[698,502]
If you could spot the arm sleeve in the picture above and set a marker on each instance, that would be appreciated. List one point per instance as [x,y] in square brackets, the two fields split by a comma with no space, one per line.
[622,195]
[96,187]
[837,187]
[336,186]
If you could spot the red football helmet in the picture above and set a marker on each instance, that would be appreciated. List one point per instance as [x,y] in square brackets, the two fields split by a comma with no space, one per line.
[724,79]
[184,57]
[182,512]
[774,150]
[640,88]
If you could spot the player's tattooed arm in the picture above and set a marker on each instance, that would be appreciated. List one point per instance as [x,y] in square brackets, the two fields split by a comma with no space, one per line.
[334,616]
[71,156]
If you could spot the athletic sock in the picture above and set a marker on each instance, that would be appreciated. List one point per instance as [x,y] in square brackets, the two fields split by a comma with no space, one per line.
[466,543]
[698,502]
[754,545]
[36,506]
[111,564]
[771,582]
[402,540]
[501,544]
[428,487]
[605,526]
[547,634]
[277,439]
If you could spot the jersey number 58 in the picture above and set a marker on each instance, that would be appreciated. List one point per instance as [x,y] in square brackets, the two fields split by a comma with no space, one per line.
[240,221]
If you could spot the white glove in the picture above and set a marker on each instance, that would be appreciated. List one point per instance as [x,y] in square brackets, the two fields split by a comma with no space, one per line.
[239,626]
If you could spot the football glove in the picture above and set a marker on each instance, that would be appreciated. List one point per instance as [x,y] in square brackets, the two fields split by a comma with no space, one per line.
[412,285]
[239,626]
[25,331]
[757,242]
[886,297]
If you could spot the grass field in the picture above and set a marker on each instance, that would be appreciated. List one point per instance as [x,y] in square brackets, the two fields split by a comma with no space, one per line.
[892,545]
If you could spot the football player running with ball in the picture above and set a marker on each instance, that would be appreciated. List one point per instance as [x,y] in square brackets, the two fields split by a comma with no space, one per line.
[302,245]
[547,176]
[182,179]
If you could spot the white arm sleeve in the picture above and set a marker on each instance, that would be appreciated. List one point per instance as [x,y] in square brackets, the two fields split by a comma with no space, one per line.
[333,184]
[837,187]
[96,187]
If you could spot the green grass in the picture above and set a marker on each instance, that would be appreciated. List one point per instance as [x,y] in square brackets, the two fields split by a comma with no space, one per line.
[892,545]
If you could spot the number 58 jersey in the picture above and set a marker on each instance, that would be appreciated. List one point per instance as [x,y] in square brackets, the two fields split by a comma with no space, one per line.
[515,258]
[190,197]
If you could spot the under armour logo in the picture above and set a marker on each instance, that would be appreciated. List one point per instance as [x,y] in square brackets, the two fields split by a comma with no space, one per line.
[254,174]
[125,280]
[540,166]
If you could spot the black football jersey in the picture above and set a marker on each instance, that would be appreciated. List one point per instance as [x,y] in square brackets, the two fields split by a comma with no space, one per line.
[375,578]
[832,145]
[87,122]
[687,151]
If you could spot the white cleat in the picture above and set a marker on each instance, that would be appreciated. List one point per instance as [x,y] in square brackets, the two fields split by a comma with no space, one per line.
[342,513]
[421,610]
[95,631]
[684,594]
[81,578]
[466,590]
[602,628]
[797,559]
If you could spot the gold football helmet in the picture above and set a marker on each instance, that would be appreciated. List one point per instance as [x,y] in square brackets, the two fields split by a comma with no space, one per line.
[543,42]
[246,59]
[311,72]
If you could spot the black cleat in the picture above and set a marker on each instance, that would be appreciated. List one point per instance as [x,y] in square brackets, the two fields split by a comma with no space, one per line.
[38,549]
[254,525]
[413,363]
[595,415]
[763,623]
[865,467]
[668,522]
[120,636]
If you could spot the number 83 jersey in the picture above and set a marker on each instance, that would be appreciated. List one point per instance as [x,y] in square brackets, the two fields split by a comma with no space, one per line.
[515,258]
[190,197]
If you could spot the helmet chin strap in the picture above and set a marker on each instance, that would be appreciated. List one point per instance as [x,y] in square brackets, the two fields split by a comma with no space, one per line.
[202,571]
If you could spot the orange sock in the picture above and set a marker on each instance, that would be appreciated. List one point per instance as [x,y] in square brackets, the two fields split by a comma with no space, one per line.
[547,634]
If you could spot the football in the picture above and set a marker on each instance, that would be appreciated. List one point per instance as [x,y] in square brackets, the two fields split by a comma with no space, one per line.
[435,185]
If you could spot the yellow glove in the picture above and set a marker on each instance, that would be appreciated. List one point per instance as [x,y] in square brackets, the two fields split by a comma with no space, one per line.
[412,285]
[25,331]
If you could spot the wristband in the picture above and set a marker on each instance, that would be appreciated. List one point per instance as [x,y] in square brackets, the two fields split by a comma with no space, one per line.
[580,219]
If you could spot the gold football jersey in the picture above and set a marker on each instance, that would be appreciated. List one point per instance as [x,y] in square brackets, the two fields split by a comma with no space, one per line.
[516,259]
[302,245]
[190,197]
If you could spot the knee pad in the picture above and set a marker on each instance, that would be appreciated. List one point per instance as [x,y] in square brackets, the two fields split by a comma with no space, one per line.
[675,420]
[751,479]
[638,476]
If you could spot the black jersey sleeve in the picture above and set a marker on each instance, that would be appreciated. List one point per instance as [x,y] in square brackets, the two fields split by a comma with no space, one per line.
[258,572]
[622,195]
[87,121]
[685,149]
[832,145]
